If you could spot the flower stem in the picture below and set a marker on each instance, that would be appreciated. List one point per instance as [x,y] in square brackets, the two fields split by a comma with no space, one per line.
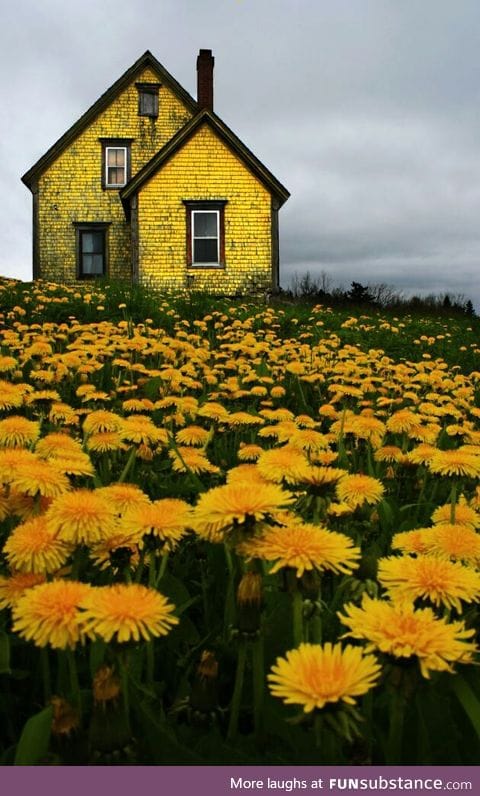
[74,683]
[258,671]
[395,730]
[453,502]
[297,615]
[237,691]
[162,570]
[47,688]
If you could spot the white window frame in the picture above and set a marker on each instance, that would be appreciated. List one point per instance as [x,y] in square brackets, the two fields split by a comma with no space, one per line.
[125,152]
[193,262]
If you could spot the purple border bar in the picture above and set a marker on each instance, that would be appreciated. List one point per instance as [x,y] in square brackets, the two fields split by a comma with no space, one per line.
[217,780]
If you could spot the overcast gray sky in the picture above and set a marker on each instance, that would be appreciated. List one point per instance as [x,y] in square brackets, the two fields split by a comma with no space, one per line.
[368,111]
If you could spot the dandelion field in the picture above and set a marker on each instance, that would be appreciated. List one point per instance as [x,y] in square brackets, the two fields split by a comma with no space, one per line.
[236,533]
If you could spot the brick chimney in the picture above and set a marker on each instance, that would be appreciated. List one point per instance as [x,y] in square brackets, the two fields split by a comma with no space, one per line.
[205,62]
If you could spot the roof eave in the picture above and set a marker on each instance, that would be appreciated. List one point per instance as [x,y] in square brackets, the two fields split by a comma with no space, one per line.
[145,60]
[181,137]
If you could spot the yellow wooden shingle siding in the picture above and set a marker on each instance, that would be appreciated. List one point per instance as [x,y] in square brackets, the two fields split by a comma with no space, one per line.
[204,169]
[71,188]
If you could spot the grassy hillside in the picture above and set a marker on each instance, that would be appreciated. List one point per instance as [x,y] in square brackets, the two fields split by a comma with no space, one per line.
[234,531]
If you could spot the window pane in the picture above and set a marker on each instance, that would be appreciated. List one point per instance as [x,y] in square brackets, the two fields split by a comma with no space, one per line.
[116,157]
[205,250]
[87,263]
[92,254]
[87,242]
[97,264]
[116,176]
[148,103]
[205,225]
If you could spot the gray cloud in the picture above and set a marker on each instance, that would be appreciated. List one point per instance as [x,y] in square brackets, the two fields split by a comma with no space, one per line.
[367,110]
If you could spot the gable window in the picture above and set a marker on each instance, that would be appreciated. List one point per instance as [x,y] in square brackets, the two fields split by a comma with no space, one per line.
[91,250]
[115,162]
[148,99]
[205,233]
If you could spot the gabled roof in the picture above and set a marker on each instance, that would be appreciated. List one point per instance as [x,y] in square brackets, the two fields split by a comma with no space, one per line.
[146,60]
[172,146]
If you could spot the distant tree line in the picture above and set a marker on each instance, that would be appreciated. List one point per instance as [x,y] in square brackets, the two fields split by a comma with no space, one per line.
[321,289]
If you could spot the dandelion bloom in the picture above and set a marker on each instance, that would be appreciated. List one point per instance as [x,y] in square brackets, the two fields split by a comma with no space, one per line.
[403,631]
[456,463]
[411,541]
[192,435]
[124,496]
[429,577]
[280,464]
[49,614]
[142,430]
[13,460]
[249,453]
[246,473]
[304,547]
[127,612]
[12,588]
[319,476]
[106,441]
[223,506]
[314,675]
[57,444]
[464,514]
[39,477]
[18,432]
[358,489]
[454,541]
[81,517]
[185,458]
[167,519]
[32,547]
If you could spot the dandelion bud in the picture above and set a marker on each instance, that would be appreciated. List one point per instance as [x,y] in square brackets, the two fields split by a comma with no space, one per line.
[203,697]
[106,685]
[249,603]
[65,717]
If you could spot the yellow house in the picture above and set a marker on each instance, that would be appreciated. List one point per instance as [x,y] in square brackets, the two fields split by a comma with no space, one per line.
[151,185]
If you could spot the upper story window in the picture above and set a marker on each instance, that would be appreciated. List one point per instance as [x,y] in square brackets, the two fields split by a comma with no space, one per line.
[115,162]
[116,166]
[205,233]
[148,99]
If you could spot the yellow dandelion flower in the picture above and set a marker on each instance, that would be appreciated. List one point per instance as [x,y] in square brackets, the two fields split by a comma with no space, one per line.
[11,395]
[431,578]
[124,496]
[12,461]
[12,588]
[127,612]
[464,514]
[40,477]
[141,429]
[106,441]
[18,432]
[358,489]
[49,614]
[281,464]
[222,507]
[318,476]
[411,541]
[303,547]
[403,631]
[213,411]
[187,458]
[389,453]
[166,519]
[31,547]
[454,541]
[192,435]
[455,463]
[81,517]
[57,444]
[248,473]
[421,454]
[314,675]
[404,421]
[249,453]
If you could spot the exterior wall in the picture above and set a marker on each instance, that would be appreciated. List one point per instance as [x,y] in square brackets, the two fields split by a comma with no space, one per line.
[70,190]
[204,169]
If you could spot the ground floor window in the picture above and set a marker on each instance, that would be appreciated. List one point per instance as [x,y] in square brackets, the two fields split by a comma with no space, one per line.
[91,250]
[205,226]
